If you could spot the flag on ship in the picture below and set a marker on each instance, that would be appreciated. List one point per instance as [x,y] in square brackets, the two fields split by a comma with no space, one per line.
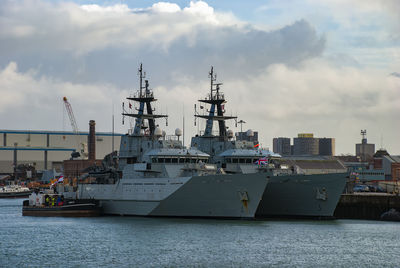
[262,161]
[60,179]
[257,145]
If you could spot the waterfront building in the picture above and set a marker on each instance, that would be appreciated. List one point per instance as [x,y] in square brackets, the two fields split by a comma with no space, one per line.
[364,149]
[391,167]
[281,145]
[383,166]
[44,149]
[327,146]
[305,144]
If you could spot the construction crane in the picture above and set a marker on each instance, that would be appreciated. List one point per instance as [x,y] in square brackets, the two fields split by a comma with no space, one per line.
[82,151]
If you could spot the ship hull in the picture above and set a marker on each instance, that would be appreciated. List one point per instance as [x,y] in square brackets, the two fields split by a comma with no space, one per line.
[88,209]
[215,196]
[15,194]
[302,196]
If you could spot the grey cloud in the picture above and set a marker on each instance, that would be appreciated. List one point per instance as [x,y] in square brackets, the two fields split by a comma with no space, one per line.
[396,74]
[53,49]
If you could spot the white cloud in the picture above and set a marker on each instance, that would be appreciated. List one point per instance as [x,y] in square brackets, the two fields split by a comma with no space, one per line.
[276,80]
[320,98]
[82,29]
[114,9]
[165,7]
[32,102]
[78,45]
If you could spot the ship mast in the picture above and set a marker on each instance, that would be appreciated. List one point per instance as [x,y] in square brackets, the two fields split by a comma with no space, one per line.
[216,99]
[145,97]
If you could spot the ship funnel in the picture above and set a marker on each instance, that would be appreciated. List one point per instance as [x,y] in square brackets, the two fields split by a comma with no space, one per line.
[92,140]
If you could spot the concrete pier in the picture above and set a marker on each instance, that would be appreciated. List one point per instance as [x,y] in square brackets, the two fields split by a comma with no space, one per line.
[367,206]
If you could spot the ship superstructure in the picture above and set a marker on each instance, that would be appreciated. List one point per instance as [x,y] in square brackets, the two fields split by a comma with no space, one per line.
[157,176]
[290,192]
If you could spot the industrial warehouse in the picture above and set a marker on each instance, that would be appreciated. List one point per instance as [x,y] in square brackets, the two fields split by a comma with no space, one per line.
[43,149]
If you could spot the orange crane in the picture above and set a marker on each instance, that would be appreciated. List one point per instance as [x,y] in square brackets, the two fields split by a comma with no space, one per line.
[82,151]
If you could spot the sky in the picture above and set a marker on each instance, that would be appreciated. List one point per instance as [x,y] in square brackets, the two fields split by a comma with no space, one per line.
[331,68]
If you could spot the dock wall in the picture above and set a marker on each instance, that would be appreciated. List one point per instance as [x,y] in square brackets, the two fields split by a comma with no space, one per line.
[368,206]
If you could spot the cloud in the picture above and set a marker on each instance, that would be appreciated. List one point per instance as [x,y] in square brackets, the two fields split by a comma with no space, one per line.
[276,80]
[320,98]
[91,43]
[396,74]
[30,101]
[279,101]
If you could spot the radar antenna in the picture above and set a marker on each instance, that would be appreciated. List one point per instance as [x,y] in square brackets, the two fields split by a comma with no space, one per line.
[216,112]
[145,97]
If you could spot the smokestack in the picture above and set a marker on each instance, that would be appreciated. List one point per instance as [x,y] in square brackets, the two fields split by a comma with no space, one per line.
[92,140]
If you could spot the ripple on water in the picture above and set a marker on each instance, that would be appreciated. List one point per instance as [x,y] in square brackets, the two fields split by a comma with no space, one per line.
[170,242]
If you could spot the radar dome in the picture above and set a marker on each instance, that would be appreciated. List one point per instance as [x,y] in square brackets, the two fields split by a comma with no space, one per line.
[250,133]
[178,132]
[158,132]
[230,133]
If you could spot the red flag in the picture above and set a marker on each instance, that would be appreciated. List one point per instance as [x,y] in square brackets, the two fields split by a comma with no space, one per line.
[255,146]
[130,106]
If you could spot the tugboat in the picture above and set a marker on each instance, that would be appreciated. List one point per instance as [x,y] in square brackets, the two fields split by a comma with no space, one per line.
[158,176]
[14,191]
[48,203]
[290,192]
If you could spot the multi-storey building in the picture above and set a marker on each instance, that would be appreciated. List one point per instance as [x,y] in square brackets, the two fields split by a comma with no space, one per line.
[281,146]
[326,146]
[305,144]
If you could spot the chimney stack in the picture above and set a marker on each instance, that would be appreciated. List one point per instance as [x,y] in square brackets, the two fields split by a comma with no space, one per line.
[92,140]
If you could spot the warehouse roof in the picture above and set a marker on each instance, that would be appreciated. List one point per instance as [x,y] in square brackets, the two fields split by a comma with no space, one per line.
[45,132]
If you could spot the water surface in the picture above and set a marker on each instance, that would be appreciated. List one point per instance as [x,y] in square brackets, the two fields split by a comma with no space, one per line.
[174,242]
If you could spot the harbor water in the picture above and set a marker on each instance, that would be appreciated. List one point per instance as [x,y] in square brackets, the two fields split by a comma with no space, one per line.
[173,242]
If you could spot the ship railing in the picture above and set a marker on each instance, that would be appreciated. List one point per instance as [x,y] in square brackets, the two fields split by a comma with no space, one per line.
[199,166]
[171,138]
[213,133]
[215,96]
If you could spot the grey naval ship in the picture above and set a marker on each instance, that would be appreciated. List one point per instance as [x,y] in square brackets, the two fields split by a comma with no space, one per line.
[157,176]
[291,191]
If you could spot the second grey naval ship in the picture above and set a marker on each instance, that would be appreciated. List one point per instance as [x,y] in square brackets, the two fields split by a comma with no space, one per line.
[291,191]
[157,176]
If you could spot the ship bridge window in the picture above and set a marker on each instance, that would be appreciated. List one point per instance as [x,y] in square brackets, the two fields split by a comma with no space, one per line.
[187,160]
[167,160]
[174,160]
[228,160]
[181,160]
[248,160]
[242,160]
[131,160]
[235,160]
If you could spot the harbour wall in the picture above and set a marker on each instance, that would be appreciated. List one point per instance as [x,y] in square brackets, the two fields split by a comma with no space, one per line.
[367,206]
